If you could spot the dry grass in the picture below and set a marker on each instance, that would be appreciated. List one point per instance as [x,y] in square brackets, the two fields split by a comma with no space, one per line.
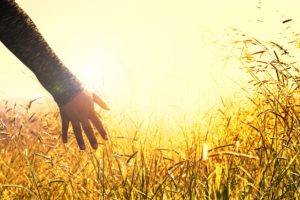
[249,148]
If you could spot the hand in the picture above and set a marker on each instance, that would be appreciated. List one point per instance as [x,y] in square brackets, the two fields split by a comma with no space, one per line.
[80,112]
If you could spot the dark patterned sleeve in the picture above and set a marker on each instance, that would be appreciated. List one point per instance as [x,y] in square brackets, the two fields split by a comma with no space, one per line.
[19,34]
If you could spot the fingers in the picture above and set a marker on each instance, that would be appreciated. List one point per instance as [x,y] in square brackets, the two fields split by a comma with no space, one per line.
[100,102]
[80,112]
[65,126]
[98,124]
[89,132]
[78,134]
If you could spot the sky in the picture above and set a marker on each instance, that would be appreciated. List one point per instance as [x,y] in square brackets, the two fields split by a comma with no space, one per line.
[156,55]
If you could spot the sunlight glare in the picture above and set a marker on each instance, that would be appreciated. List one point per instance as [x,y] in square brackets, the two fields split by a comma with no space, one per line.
[90,74]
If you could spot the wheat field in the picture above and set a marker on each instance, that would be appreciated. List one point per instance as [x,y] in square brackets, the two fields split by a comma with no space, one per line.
[246,148]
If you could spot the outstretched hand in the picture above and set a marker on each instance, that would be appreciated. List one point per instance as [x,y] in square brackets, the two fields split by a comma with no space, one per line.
[81,113]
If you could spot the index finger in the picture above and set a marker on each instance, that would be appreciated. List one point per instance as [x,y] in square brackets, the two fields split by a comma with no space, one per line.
[98,124]
[89,132]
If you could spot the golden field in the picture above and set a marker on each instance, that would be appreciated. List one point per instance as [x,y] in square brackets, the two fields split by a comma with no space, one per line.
[247,148]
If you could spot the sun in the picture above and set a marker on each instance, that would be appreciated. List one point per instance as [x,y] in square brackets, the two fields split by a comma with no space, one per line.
[90,74]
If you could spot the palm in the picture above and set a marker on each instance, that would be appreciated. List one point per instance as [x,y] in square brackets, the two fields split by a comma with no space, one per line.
[80,113]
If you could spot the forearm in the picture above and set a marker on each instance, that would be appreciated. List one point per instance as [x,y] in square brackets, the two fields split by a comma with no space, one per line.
[19,34]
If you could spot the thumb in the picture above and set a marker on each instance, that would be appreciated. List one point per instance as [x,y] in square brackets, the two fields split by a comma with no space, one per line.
[100,102]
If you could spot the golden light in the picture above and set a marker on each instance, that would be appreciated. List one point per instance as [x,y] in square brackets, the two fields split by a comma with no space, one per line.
[90,74]
[148,59]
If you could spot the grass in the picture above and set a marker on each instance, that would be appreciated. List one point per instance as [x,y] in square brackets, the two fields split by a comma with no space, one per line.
[248,148]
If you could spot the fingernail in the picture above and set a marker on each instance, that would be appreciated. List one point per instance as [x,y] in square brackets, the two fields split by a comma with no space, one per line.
[82,147]
[105,137]
[95,145]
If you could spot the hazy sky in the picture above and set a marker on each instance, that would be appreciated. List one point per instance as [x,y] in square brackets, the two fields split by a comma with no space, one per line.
[150,54]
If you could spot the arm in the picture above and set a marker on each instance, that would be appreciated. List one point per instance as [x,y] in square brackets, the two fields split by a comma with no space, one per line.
[19,34]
